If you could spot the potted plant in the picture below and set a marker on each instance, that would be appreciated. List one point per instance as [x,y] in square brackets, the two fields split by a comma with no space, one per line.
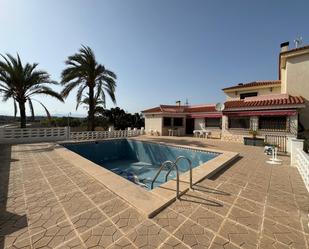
[253,141]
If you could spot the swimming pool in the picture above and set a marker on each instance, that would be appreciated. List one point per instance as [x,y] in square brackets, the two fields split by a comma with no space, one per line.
[139,161]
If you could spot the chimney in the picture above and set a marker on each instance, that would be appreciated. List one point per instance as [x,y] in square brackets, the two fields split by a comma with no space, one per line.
[284,46]
[178,102]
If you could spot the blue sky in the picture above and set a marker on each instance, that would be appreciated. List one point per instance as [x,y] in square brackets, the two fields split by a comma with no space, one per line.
[161,50]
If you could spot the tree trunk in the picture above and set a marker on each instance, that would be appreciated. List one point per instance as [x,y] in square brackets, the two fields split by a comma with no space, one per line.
[22,111]
[91,110]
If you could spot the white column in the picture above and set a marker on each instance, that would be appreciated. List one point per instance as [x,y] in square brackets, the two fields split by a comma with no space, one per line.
[295,145]
[225,122]
[254,123]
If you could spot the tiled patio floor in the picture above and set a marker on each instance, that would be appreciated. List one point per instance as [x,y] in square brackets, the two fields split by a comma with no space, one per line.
[46,202]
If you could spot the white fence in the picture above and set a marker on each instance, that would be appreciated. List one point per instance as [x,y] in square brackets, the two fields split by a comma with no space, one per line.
[30,135]
[302,163]
[89,135]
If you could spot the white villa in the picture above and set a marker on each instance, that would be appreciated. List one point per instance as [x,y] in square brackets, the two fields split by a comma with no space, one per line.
[271,107]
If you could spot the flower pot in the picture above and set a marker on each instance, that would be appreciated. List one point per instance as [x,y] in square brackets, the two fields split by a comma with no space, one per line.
[253,141]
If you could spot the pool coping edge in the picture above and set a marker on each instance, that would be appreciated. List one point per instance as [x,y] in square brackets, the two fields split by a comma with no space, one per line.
[149,202]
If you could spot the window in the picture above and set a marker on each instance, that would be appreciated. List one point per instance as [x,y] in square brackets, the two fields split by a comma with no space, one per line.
[239,122]
[178,121]
[167,121]
[273,123]
[213,122]
[246,95]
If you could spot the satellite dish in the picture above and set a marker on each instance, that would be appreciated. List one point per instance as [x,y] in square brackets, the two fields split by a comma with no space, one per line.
[220,107]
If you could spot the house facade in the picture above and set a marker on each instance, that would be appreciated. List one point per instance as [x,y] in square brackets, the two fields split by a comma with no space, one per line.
[270,107]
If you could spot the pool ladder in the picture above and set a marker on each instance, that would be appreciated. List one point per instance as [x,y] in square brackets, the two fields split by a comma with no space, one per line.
[174,165]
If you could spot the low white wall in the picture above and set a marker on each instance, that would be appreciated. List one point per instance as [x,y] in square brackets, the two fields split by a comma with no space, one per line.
[90,135]
[153,123]
[295,145]
[300,159]
[33,135]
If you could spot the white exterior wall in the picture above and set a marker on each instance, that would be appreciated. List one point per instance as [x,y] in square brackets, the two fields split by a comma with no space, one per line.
[295,80]
[197,122]
[153,123]
[261,91]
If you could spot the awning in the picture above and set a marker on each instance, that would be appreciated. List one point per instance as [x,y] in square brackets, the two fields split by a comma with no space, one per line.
[206,115]
[262,113]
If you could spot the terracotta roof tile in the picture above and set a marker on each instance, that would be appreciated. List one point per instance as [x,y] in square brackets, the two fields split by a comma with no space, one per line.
[181,109]
[254,83]
[155,109]
[277,100]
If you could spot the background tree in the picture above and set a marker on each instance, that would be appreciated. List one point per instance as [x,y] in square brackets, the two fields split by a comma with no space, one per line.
[99,104]
[121,119]
[84,71]
[21,82]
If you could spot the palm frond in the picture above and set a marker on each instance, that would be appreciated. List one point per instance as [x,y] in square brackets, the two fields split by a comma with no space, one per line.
[46,110]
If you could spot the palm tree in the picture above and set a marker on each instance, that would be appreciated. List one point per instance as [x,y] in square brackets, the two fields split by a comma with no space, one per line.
[21,82]
[84,71]
[99,104]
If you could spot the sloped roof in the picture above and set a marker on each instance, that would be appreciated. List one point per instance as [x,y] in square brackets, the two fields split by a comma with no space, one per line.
[253,84]
[264,100]
[181,109]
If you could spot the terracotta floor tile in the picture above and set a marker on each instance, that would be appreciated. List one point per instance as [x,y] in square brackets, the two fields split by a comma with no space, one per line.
[113,206]
[101,236]
[127,219]
[45,219]
[285,218]
[173,243]
[283,234]
[75,203]
[221,243]
[207,219]
[122,243]
[246,218]
[147,235]
[250,206]
[239,235]
[168,219]
[54,236]
[75,243]
[194,235]
[88,219]
[102,196]
[268,243]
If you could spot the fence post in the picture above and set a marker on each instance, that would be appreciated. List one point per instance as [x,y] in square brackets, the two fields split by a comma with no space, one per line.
[295,145]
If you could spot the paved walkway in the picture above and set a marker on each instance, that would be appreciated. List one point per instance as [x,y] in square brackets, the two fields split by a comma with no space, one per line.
[46,202]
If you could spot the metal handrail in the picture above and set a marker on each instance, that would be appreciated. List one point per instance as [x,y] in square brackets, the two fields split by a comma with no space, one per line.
[190,168]
[177,175]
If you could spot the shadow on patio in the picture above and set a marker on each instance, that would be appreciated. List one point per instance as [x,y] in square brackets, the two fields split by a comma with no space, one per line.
[10,222]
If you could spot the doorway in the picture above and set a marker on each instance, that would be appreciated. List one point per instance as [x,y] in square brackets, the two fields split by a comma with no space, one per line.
[189,125]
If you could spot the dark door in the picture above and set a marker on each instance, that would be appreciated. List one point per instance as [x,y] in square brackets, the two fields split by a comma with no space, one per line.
[189,125]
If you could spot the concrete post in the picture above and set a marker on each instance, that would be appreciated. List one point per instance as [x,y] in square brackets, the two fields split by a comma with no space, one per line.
[224,123]
[295,145]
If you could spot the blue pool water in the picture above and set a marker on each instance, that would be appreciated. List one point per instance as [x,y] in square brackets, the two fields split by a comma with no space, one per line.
[138,161]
